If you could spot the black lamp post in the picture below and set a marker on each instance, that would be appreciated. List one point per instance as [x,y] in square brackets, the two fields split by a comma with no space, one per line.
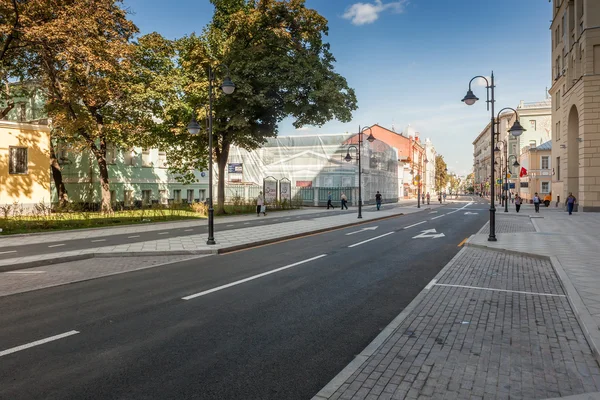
[516,130]
[228,87]
[348,158]
[504,188]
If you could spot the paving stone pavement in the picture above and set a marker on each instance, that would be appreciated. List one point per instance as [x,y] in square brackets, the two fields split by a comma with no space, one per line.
[25,280]
[494,326]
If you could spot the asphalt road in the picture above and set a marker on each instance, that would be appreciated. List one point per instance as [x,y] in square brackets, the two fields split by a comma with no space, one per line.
[221,224]
[283,335]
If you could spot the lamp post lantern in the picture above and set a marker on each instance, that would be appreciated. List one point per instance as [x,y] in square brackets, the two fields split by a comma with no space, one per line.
[228,87]
[348,158]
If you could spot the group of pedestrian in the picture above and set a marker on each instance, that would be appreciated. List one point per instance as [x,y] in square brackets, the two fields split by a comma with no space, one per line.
[571,201]
[344,200]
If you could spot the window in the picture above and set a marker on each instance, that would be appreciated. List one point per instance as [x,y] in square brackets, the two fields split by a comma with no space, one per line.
[545,187]
[524,184]
[128,197]
[202,195]
[164,197]
[146,160]
[557,128]
[532,124]
[177,195]
[162,159]
[22,112]
[146,196]
[18,160]
[190,195]
[557,102]
[113,197]
[558,168]
[545,162]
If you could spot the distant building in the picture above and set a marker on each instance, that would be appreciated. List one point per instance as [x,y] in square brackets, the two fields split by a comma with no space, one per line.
[575,34]
[537,161]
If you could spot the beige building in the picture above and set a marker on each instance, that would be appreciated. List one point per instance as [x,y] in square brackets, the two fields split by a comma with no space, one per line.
[537,160]
[575,92]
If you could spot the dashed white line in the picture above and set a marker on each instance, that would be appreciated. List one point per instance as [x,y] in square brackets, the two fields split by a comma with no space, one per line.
[193,296]
[439,216]
[418,223]
[163,233]
[37,343]
[246,223]
[8,251]
[98,240]
[134,236]
[26,272]
[230,225]
[56,245]
[188,230]
[369,240]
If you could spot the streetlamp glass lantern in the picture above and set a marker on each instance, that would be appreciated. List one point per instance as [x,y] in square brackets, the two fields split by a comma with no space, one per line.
[371,138]
[348,157]
[228,87]
[470,98]
[193,127]
[516,164]
[497,149]
[516,130]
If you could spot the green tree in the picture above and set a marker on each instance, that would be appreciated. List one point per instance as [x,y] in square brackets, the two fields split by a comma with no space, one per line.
[281,67]
[441,172]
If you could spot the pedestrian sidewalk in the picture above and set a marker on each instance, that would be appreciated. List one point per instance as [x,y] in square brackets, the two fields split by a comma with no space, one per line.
[503,320]
[195,244]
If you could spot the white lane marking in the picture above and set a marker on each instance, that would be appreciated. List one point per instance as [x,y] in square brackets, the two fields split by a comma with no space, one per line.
[275,220]
[371,228]
[246,223]
[98,240]
[193,296]
[9,251]
[163,233]
[500,290]
[439,216]
[188,230]
[37,343]
[56,245]
[287,218]
[229,225]
[430,284]
[410,226]
[369,240]
[26,272]
[134,236]
[433,212]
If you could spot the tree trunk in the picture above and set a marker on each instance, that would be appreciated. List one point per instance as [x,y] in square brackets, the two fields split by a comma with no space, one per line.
[100,154]
[61,191]
[222,163]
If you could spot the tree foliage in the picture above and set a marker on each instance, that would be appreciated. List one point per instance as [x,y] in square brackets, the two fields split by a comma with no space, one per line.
[441,173]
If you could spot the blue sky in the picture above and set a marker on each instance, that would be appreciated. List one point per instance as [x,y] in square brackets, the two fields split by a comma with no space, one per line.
[410,61]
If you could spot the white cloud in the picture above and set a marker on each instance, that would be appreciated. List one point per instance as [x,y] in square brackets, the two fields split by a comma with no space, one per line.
[367,13]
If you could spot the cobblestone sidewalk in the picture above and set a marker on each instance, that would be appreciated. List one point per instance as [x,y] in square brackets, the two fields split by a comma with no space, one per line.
[493,326]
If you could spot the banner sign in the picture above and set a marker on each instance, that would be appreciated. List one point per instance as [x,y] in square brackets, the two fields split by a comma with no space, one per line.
[303,183]
[236,168]
[270,187]
[285,190]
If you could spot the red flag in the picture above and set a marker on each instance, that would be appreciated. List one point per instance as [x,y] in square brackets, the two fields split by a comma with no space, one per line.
[523,172]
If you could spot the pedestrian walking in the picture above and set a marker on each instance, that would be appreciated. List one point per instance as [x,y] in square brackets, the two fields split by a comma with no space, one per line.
[378,200]
[518,201]
[329,203]
[423,198]
[444,197]
[344,201]
[428,198]
[260,205]
[536,202]
[571,200]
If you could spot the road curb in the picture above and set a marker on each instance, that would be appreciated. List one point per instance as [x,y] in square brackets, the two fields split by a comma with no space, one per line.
[588,325]
[223,250]
[350,369]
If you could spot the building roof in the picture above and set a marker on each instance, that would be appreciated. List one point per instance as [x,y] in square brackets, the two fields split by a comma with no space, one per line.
[544,146]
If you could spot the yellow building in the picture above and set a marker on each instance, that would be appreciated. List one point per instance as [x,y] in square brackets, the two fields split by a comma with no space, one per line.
[575,33]
[24,163]
[537,161]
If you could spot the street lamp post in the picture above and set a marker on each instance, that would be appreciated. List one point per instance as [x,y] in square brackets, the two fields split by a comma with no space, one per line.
[228,87]
[348,158]
[515,130]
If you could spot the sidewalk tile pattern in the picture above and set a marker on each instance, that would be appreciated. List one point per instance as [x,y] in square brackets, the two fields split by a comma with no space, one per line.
[462,343]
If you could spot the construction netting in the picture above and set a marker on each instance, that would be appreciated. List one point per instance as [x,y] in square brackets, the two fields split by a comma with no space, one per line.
[318,162]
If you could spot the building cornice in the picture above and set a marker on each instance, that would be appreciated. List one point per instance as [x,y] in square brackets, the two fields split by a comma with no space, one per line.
[24,126]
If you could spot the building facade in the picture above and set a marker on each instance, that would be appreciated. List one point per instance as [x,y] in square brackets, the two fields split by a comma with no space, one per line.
[24,165]
[575,34]
[537,161]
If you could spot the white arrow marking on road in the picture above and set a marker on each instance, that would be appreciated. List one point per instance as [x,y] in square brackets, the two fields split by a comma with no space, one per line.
[372,228]
[470,213]
[429,233]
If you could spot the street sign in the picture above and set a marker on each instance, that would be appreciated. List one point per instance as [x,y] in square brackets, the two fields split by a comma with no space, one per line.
[508,176]
[499,181]
[429,233]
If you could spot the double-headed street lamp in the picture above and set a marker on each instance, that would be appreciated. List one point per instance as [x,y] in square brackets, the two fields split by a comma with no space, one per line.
[228,87]
[348,158]
[515,130]
[503,182]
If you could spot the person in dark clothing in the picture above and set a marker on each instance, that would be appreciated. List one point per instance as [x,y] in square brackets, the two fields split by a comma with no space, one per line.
[378,200]
[329,201]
